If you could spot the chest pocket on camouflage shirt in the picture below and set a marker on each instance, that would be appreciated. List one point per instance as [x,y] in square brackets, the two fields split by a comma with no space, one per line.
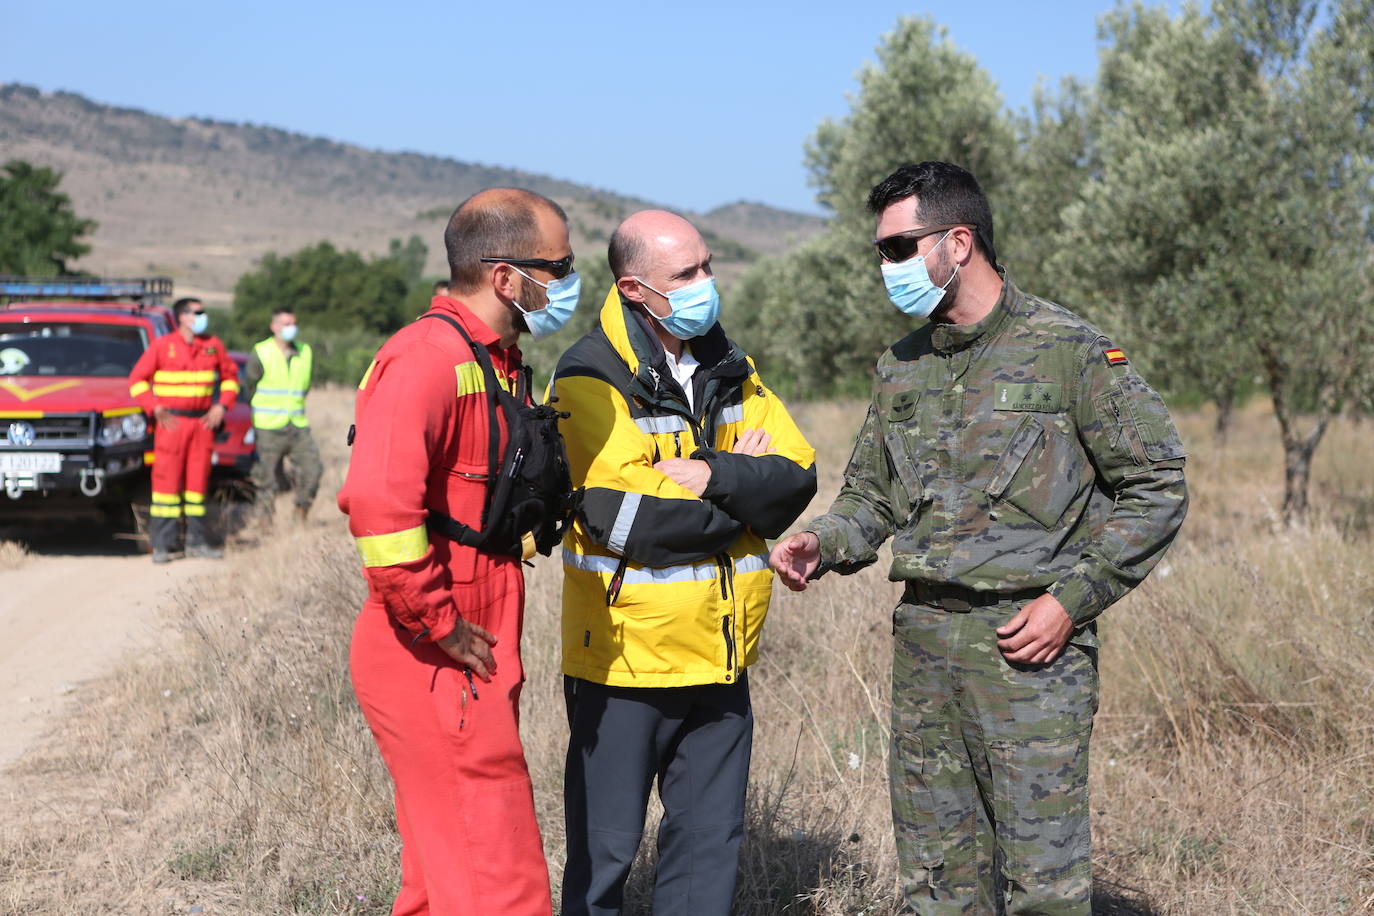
[1039,473]
[900,428]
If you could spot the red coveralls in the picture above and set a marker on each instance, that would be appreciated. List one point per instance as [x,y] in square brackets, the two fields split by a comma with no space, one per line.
[181,377]
[464,805]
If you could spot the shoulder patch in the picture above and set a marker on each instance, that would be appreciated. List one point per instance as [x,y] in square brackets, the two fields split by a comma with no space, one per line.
[1114,356]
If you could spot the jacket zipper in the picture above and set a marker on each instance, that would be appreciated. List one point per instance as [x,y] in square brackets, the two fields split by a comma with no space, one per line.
[727,577]
[692,421]
[729,634]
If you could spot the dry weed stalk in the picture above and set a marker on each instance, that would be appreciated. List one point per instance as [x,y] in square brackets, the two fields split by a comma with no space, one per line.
[13,555]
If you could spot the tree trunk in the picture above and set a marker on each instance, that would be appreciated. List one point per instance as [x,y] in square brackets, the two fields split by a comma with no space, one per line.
[1298,449]
[1297,475]
[1226,412]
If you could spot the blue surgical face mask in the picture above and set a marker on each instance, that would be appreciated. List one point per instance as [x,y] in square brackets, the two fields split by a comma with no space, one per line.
[563,294]
[909,285]
[200,323]
[288,333]
[695,308]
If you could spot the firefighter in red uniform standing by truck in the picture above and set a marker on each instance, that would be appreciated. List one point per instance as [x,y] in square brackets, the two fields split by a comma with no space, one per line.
[435,656]
[174,382]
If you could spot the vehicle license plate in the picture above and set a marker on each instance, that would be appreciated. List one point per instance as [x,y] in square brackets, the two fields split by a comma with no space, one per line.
[31,462]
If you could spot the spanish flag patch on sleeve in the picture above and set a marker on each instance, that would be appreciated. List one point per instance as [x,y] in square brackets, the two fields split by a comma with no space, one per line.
[1114,356]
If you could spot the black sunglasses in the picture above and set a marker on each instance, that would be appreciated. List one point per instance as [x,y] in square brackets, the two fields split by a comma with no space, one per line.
[560,268]
[901,245]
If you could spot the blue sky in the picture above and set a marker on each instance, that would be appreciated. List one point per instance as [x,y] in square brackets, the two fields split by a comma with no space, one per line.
[691,105]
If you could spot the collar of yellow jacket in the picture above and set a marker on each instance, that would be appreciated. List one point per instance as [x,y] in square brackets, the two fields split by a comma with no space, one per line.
[615,322]
[635,342]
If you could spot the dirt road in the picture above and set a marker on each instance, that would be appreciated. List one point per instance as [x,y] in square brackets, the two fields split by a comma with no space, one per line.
[69,613]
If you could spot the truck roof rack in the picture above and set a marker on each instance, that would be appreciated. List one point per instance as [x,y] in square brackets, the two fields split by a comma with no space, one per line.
[144,290]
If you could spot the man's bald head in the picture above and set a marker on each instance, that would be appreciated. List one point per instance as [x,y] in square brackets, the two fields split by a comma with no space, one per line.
[495,223]
[653,253]
[646,235]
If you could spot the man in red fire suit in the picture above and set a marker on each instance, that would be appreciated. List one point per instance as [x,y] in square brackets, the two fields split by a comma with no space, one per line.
[435,657]
[174,382]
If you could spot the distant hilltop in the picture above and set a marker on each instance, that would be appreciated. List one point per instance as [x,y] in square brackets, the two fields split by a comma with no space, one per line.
[201,200]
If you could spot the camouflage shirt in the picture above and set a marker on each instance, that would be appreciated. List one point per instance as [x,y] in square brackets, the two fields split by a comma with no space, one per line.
[1021,452]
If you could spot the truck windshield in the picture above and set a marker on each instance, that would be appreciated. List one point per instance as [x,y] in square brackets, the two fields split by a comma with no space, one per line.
[69,348]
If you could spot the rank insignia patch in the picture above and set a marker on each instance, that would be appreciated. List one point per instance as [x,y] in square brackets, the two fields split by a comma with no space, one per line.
[1114,357]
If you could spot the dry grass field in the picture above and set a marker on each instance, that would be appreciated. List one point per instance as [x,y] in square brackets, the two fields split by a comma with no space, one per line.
[1233,765]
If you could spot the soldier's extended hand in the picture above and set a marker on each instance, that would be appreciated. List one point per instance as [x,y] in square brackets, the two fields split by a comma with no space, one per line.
[470,646]
[1037,633]
[795,558]
[753,442]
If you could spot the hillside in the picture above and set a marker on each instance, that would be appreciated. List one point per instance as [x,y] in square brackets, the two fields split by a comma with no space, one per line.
[201,200]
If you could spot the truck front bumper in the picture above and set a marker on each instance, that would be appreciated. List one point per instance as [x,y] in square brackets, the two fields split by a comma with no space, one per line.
[91,473]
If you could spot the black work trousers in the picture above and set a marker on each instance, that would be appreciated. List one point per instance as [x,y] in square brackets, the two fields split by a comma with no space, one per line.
[696,741]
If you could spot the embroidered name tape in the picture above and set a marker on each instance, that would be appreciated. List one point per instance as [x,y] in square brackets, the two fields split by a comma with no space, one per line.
[1042,396]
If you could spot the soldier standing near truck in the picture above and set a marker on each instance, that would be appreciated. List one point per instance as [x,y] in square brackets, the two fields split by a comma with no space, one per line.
[276,379]
[1029,478]
[175,381]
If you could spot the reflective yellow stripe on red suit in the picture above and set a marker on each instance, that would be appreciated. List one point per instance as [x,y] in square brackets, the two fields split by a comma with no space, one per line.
[194,505]
[165,505]
[392,549]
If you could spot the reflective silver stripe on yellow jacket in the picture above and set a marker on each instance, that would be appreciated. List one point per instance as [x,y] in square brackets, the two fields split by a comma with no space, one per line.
[733,414]
[624,521]
[668,424]
[687,572]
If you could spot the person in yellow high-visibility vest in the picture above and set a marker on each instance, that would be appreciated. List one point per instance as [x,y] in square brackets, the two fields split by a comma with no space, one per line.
[276,380]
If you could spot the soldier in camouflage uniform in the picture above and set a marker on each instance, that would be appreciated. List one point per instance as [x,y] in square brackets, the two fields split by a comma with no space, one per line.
[1029,478]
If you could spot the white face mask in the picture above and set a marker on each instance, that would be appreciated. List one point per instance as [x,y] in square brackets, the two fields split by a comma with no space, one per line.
[288,333]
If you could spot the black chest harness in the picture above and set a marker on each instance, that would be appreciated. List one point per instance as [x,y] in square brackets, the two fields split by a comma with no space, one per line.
[529,486]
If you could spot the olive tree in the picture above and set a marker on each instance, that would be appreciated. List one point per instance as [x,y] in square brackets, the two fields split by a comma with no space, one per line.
[1226,217]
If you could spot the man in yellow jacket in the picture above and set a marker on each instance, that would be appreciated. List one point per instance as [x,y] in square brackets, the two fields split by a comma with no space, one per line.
[688,462]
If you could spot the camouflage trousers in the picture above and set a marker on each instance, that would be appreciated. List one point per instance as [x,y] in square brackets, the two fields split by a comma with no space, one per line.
[273,446]
[989,767]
